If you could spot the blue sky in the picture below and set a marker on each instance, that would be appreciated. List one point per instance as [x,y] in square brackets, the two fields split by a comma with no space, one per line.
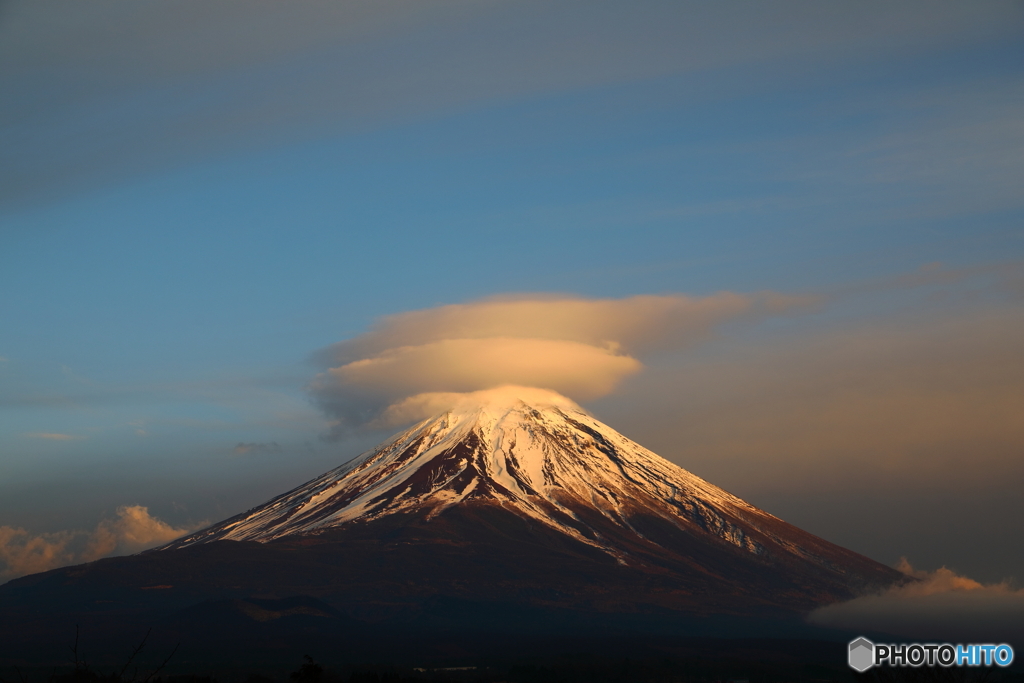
[198,197]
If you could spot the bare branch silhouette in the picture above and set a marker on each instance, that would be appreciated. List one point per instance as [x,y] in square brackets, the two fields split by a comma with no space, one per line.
[135,652]
[162,665]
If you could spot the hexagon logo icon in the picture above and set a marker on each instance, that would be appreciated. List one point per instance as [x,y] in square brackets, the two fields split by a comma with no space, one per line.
[861,654]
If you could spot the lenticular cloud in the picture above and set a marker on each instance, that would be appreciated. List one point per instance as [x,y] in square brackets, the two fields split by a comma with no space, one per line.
[460,365]
[582,348]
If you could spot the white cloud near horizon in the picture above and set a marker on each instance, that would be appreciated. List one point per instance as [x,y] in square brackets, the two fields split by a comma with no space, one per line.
[939,605]
[582,348]
[131,531]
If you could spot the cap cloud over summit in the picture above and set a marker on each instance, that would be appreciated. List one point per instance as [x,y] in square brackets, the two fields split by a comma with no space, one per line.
[582,348]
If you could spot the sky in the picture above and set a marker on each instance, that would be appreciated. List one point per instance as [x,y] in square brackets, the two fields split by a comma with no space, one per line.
[779,244]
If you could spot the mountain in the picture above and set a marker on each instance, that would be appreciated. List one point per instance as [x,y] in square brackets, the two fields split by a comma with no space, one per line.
[549,463]
[553,464]
[520,515]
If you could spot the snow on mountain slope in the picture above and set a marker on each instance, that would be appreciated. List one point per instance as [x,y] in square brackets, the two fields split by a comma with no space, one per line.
[538,455]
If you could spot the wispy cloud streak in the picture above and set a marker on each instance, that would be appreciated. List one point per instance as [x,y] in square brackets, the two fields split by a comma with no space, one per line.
[53,436]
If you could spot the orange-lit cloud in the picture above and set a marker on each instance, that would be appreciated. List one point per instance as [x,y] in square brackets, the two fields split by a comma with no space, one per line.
[582,348]
[911,396]
[468,364]
[22,553]
[891,436]
[939,605]
[133,530]
[423,406]
[634,324]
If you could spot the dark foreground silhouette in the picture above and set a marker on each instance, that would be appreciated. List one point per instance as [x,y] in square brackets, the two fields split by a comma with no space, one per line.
[691,661]
[232,604]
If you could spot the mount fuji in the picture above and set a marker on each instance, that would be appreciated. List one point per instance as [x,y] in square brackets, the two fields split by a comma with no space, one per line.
[538,460]
[515,512]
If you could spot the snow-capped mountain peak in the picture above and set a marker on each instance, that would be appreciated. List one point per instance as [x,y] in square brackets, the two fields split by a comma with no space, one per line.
[530,451]
[538,457]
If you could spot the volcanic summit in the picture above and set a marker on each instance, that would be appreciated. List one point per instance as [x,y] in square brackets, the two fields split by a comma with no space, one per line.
[537,456]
